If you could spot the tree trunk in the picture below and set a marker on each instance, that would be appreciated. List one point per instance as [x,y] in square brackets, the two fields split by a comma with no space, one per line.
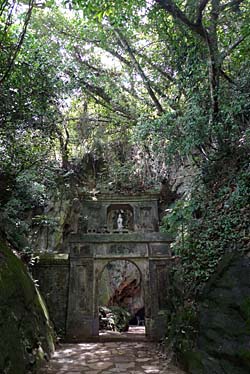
[214,61]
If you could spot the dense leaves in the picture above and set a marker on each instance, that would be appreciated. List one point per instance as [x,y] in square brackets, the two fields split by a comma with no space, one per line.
[122,94]
[211,223]
[29,98]
[114,318]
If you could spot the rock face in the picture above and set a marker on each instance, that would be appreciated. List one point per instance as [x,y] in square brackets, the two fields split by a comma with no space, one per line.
[25,331]
[224,336]
[121,286]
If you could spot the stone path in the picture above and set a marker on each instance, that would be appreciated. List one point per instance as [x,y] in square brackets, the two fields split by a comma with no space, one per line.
[134,334]
[109,358]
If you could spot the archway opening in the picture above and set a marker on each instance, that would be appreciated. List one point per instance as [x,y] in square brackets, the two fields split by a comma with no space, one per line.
[121,300]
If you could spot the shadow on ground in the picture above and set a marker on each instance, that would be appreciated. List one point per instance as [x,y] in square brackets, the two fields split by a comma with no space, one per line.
[131,356]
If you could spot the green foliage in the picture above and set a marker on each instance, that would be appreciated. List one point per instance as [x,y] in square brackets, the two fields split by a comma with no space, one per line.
[114,317]
[176,221]
[212,222]
[29,111]
[121,318]
[182,329]
[118,14]
[119,94]
[15,214]
[245,309]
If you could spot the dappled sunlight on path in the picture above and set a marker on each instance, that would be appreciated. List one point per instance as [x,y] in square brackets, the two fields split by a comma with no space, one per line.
[109,358]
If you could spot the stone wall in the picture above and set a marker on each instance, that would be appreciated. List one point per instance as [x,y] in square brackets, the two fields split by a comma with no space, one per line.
[52,273]
[224,330]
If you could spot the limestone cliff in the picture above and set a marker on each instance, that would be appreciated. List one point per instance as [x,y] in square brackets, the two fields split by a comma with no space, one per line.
[25,330]
[121,286]
[209,309]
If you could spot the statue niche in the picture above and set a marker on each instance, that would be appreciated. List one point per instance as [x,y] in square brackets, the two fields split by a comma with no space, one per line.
[120,218]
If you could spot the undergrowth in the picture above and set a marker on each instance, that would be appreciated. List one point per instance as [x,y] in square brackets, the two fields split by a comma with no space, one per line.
[212,221]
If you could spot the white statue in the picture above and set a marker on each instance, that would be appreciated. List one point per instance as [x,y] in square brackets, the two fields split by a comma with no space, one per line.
[119,222]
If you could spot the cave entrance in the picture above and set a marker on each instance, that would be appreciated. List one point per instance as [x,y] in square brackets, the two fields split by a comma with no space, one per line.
[121,300]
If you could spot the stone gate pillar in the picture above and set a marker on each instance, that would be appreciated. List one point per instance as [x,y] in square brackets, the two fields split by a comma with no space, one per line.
[81,323]
[159,289]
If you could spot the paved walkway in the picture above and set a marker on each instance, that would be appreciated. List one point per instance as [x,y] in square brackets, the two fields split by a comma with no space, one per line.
[109,358]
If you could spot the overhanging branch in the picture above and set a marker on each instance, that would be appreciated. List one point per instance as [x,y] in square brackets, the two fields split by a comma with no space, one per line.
[200,10]
[231,4]
[177,14]
[232,47]
[139,69]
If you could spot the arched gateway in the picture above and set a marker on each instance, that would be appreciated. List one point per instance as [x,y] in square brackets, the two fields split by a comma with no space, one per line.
[110,228]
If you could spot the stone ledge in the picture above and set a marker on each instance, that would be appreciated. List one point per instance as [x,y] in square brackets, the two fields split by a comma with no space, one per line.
[147,237]
[46,258]
[110,197]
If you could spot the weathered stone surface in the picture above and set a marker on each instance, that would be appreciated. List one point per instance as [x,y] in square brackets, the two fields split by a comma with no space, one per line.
[145,359]
[100,365]
[224,336]
[71,287]
[52,271]
[77,358]
[25,331]
[121,285]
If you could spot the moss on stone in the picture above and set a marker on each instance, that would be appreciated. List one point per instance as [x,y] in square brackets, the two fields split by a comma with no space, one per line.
[193,362]
[244,355]
[245,309]
[25,330]
[52,258]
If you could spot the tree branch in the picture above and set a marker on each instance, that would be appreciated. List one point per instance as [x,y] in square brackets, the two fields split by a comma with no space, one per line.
[3,6]
[232,47]
[226,77]
[88,119]
[177,14]
[139,70]
[201,7]
[98,42]
[96,90]
[8,20]
[97,69]
[156,67]
[20,42]
[231,4]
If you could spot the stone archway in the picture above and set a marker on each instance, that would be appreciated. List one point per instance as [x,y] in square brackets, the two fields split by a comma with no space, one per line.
[87,261]
[75,272]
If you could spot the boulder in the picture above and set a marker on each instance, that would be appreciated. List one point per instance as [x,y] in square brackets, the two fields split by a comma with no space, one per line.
[26,335]
[223,344]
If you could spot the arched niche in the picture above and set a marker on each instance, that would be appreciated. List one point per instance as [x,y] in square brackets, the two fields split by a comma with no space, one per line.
[123,211]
